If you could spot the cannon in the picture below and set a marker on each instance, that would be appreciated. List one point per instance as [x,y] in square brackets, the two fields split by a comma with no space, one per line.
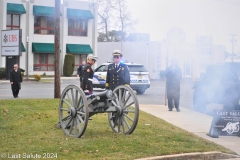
[75,109]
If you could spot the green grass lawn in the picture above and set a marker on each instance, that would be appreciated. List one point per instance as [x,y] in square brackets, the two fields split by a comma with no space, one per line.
[28,127]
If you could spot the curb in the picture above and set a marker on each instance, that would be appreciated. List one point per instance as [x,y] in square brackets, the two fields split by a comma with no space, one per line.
[194,156]
[50,78]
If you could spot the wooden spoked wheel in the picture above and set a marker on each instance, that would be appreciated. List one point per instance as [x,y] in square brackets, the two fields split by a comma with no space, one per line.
[73,111]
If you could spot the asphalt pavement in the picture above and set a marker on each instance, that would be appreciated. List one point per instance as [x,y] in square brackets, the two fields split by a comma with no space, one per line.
[187,119]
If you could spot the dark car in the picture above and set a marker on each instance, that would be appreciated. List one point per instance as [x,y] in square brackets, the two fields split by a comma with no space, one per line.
[219,85]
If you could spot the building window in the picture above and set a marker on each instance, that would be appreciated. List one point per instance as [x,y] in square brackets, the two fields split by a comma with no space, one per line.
[43,25]
[43,62]
[13,21]
[79,59]
[77,27]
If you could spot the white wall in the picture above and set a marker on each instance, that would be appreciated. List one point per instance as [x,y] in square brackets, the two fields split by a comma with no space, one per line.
[153,55]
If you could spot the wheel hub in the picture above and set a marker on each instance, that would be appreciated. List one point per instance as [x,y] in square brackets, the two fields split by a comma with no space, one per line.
[72,112]
[119,110]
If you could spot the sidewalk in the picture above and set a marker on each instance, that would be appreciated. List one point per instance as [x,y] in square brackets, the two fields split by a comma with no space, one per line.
[24,79]
[194,122]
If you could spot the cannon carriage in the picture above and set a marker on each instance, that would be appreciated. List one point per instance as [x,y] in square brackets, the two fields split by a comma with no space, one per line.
[75,108]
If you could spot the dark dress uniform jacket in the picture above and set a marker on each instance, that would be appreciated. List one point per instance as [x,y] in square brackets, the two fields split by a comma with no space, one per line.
[117,76]
[87,74]
[16,78]
[80,71]
[173,77]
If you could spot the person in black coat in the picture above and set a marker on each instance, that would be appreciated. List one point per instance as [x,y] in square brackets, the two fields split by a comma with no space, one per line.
[80,71]
[173,77]
[15,80]
[117,73]
[87,75]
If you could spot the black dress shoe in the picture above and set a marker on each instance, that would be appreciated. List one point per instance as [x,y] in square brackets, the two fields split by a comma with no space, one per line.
[169,109]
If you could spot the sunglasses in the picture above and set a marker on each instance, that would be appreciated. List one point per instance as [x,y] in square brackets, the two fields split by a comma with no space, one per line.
[116,57]
[94,60]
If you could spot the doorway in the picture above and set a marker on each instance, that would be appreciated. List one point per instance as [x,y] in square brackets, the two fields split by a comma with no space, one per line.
[10,61]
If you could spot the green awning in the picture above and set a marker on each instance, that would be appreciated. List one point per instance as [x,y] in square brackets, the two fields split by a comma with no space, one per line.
[43,47]
[78,48]
[15,8]
[43,10]
[78,13]
[23,48]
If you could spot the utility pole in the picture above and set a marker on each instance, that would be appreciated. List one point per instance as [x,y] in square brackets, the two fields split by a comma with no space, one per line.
[233,41]
[57,49]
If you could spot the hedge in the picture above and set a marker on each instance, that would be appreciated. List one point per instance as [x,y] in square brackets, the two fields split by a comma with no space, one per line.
[2,73]
[68,66]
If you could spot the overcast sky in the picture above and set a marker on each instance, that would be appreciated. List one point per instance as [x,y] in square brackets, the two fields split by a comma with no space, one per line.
[216,18]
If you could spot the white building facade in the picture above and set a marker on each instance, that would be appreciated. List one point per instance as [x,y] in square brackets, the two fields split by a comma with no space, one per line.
[35,18]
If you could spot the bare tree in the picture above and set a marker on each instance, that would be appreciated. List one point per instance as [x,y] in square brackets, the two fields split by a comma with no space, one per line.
[105,14]
[123,15]
[114,20]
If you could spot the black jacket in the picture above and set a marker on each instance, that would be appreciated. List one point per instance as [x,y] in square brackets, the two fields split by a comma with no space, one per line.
[86,75]
[80,70]
[117,76]
[173,78]
[16,78]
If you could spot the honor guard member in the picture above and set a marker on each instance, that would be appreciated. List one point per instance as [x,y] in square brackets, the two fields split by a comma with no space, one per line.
[117,73]
[87,75]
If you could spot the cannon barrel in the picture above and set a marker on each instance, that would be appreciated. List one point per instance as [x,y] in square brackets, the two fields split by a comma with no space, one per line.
[95,99]
[103,94]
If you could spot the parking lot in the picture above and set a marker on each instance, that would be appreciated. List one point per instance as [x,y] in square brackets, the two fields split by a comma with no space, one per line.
[154,95]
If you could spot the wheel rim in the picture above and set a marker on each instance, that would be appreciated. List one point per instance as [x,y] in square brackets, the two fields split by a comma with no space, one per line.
[73,111]
[125,119]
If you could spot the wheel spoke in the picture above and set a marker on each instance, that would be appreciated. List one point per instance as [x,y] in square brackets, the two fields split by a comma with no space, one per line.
[127,99]
[119,124]
[71,128]
[124,94]
[64,109]
[128,117]
[79,101]
[116,99]
[122,124]
[76,99]
[124,119]
[69,98]
[128,105]
[66,118]
[69,105]
[114,103]
[129,111]
[68,123]
[81,119]
[72,97]
[120,96]
[75,126]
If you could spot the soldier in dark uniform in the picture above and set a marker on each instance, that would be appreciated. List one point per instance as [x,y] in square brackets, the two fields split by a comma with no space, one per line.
[173,76]
[87,75]
[117,73]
